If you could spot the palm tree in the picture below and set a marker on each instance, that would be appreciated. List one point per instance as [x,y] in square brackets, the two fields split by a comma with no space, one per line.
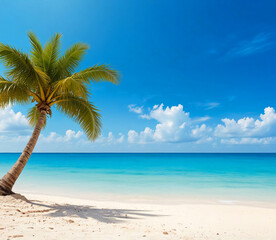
[47,79]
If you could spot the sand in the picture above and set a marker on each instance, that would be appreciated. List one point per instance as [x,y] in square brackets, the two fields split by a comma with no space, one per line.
[49,217]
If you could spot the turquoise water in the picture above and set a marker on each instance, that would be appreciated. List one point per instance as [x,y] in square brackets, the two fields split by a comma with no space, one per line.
[222,176]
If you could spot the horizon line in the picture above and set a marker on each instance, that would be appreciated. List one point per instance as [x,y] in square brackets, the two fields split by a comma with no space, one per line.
[143,152]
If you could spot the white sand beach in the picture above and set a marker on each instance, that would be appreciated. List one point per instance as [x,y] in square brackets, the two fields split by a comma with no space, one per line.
[49,217]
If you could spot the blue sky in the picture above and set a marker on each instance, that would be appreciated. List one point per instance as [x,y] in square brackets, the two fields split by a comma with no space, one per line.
[212,59]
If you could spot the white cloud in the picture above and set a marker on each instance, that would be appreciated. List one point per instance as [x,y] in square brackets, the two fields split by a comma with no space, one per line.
[201,119]
[200,131]
[13,123]
[208,105]
[14,139]
[136,109]
[211,105]
[145,116]
[132,136]
[171,125]
[121,138]
[55,137]
[247,140]
[110,139]
[174,125]
[259,43]
[52,137]
[70,134]
[249,127]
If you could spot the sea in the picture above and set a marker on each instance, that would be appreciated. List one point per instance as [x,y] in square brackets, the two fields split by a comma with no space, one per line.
[227,177]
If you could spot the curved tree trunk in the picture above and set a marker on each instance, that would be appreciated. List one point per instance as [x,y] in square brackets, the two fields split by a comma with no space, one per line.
[7,182]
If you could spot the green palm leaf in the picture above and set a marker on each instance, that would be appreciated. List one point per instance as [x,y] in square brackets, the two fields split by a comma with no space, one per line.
[48,79]
[83,112]
[33,116]
[70,60]
[71,85]
[20,68]
[98,73]
[11,93]
[36,52]
[51,53]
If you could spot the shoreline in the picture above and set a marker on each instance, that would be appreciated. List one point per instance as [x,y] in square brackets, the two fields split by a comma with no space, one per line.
[158,199]
[53,217]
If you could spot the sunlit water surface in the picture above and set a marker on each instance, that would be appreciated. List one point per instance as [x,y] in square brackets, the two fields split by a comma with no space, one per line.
[220,176]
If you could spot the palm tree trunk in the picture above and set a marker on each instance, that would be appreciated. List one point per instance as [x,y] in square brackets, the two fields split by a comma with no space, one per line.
[7,182]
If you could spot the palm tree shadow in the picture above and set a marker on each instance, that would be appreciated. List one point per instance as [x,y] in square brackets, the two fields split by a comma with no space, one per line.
[104,215]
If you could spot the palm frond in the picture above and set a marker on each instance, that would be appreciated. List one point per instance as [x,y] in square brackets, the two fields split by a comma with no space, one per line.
[70,60]
[45,77]
[11,93]
[98,73]
[33,116]
[20,68]
[83,112]
[72,86]
[51,53]
[37,51]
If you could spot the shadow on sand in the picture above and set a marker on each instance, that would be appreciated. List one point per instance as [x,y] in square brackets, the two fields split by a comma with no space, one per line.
[105,215]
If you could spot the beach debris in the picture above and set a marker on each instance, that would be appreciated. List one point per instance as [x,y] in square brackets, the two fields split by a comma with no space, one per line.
[144,235]
[217,233]
[70,221]
[165,233]
[17,236]
[37,211]
[19,211]
[51,228]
